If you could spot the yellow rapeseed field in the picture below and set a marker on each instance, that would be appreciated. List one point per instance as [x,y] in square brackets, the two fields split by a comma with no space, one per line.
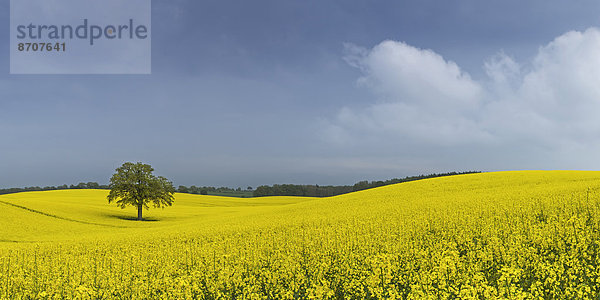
[504,235]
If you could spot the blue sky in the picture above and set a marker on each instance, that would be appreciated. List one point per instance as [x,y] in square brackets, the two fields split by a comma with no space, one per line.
[244,93]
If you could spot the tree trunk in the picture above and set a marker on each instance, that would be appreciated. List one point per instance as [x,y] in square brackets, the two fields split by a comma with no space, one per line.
[139,213]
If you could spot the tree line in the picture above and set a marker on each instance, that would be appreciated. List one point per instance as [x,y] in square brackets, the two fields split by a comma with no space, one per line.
[80,186]
[328,191]
[205,190]
[261,191]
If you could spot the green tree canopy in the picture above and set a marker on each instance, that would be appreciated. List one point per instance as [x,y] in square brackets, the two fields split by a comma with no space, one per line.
[135,185]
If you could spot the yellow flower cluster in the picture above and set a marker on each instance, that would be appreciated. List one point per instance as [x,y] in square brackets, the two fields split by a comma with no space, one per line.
[505,235]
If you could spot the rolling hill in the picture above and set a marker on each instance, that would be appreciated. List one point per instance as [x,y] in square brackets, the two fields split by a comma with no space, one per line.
[490,235]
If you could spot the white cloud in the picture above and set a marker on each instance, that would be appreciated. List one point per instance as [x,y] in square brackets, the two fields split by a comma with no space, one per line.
[400,72]
[423,100]
[421,95]
[503,70]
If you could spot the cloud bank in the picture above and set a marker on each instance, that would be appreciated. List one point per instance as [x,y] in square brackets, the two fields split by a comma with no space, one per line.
[540,114]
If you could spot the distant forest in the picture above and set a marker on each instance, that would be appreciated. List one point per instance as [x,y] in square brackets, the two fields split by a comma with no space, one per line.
[261,191]
[327,191]
[81,186]
[205,190]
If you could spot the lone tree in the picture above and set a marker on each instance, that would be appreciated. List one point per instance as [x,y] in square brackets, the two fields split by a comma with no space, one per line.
[134,184]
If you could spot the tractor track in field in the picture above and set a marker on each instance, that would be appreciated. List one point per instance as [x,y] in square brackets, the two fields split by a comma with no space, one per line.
[17,242]
[58,217]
